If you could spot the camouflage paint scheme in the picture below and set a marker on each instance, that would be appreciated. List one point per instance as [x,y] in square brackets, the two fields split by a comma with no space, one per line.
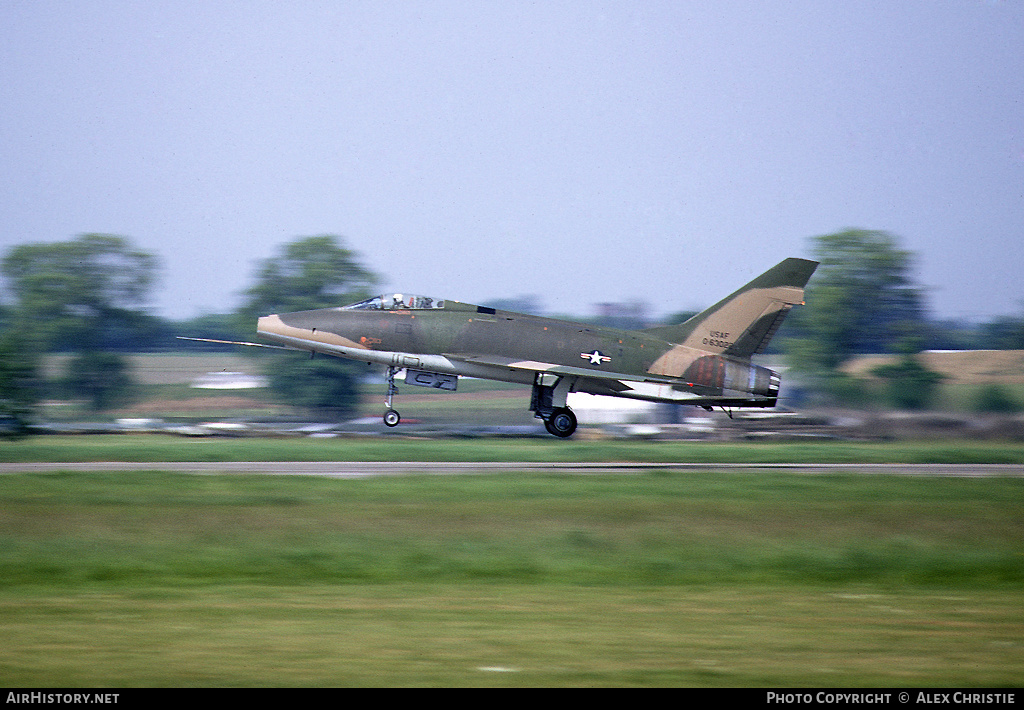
[704,361]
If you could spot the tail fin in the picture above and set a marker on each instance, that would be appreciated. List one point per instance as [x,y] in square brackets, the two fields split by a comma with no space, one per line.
[742,324]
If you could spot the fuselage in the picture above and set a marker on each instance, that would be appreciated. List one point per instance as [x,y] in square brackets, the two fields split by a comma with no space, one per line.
[454,338]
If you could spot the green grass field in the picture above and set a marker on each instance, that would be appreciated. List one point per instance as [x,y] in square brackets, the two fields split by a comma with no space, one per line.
[513,636]
[512,579]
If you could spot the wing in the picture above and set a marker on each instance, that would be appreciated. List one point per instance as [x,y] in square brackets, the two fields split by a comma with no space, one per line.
[650,387]
[597,379]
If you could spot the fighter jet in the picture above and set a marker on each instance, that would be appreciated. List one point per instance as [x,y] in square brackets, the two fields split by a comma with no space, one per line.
[705,361]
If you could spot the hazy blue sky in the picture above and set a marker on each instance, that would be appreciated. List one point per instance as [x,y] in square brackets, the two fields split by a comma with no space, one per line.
[582,151]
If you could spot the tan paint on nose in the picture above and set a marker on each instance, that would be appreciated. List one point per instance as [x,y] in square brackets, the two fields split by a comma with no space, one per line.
[272,325]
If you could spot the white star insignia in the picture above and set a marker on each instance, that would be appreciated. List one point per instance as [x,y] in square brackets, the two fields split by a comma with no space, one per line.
[596,357]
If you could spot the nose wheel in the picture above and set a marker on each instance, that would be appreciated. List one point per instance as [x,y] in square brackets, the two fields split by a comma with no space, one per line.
[391,417]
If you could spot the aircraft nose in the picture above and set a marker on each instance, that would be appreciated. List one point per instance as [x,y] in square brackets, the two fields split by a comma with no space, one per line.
[323,331]
[270,326]
[263,323]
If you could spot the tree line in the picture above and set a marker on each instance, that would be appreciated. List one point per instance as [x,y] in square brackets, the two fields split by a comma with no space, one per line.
[87,297]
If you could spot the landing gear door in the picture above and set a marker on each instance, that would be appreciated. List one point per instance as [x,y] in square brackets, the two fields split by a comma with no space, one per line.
[431,379]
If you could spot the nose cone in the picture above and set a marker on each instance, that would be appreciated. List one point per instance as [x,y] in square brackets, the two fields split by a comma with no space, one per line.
[272,328]
[268,325]
[307,330]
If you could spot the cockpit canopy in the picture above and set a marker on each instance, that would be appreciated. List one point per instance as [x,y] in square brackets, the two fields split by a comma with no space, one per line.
[395,302]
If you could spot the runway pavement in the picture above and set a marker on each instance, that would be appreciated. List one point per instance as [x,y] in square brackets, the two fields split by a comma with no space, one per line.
[366,469]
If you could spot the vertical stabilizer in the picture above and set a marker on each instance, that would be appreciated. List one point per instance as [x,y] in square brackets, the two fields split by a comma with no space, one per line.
[743,323]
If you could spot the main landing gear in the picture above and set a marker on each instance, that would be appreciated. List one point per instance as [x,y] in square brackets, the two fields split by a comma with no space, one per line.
[549,403]
[391,417]
[562,422]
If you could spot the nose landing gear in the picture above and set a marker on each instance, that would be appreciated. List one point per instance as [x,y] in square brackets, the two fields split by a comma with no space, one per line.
[391,417]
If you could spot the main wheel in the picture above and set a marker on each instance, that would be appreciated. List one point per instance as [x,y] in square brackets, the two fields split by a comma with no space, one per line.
[391,417]
[561,423]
